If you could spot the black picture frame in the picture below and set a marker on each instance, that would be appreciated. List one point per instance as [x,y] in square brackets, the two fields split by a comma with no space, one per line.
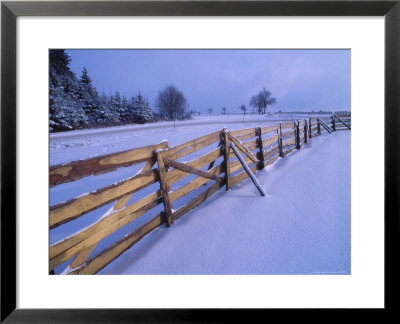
[10,10]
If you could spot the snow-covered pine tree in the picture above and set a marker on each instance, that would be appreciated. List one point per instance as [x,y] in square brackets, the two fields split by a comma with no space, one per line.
[116,101]
[89,97]
[142,111]
[125,111]
[75,104]
[102,113]
[59,61]
[111,116]
[65,111]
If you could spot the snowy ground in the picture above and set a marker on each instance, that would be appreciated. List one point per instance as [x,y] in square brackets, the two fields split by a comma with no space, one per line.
[301,227]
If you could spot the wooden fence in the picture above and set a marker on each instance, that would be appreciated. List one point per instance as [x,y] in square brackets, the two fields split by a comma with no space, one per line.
[214,165]
[338,122]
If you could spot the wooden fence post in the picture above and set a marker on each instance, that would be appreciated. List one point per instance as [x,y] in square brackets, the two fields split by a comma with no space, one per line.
[261,149]
[297,135]
[280,140]
[164,187]
[226,159]
[305,131]
[319,126]
[333,123]
[309,127]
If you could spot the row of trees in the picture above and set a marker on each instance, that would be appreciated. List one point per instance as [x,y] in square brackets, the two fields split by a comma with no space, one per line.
[74,103]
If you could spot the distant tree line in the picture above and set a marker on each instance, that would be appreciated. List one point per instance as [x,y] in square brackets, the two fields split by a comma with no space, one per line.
[74,103]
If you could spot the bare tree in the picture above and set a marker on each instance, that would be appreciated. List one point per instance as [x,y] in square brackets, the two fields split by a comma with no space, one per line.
[261,100]
[243,108]
[223,110]
[171,103]
[210,110]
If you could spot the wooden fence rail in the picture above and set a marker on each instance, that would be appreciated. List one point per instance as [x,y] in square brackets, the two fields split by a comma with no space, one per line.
[213,165]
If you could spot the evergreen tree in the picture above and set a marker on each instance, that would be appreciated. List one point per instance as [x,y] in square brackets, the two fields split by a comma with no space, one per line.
[65,110]
[142,111]
[124,101]
[119,110]
[126,113]
[89,97]
[74,103]
[85,78]
[105,114]
[59,61]
[101,111]
[112,109]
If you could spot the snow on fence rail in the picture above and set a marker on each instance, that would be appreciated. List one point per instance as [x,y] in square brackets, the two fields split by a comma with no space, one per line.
[213,165]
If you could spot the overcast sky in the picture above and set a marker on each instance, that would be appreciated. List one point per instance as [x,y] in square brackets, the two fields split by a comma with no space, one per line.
[301,80]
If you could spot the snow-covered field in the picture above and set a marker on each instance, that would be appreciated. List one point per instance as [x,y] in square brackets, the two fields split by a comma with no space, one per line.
[301,227]
[82,144]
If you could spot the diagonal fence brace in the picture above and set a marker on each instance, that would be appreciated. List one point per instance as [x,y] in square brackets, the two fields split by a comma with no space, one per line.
[251,175]
[339,119]
[325,126]
[188,169]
